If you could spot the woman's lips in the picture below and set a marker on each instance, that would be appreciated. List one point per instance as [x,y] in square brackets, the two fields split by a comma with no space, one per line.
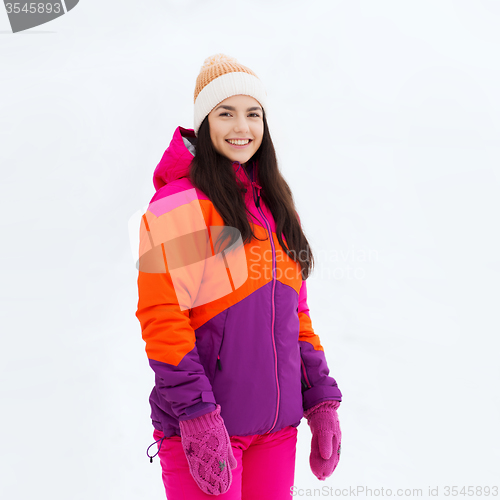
[238,146]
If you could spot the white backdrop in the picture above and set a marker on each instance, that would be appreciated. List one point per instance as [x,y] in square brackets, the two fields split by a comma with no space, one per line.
[385,117]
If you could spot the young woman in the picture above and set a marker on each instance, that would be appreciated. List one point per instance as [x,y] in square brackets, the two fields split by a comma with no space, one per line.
[223,306]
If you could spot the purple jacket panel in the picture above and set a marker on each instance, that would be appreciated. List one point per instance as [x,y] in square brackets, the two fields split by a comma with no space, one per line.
[256,381]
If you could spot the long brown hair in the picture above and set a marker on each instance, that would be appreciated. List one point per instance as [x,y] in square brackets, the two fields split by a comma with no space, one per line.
[215,176]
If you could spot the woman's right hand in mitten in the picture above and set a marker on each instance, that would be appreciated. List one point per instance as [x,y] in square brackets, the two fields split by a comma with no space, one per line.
[208,451]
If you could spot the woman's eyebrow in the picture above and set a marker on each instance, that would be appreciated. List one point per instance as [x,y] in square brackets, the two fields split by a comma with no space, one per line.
[232,108]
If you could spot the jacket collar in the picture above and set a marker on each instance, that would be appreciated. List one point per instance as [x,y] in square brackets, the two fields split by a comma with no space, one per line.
[177,158]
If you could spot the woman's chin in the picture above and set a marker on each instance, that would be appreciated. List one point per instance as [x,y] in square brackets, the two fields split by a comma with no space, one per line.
[242,159]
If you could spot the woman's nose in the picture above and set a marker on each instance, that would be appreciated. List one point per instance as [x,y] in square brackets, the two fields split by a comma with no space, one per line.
[241,125]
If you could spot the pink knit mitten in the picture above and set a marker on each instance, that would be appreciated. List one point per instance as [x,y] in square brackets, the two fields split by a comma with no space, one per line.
[326,436]
[208,451]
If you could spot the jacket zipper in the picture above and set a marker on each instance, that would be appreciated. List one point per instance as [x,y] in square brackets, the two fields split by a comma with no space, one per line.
[257,204]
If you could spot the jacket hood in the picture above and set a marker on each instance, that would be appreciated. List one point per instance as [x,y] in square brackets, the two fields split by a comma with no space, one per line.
[175,162]
[177,158]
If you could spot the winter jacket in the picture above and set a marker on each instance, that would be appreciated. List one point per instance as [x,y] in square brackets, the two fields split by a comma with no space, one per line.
[233,328]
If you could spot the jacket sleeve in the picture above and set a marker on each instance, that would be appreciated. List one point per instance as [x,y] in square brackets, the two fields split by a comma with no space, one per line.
[317,385]
[173,244]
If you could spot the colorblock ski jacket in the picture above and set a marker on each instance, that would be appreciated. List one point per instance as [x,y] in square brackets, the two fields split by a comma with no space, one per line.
[230,327]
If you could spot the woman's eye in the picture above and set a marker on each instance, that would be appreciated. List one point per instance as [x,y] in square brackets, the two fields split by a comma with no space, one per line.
[251,114]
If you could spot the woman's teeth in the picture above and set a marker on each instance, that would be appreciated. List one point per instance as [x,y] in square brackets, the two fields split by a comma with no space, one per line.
[239,142]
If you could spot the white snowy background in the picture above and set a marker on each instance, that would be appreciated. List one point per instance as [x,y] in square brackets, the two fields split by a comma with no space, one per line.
[385,117]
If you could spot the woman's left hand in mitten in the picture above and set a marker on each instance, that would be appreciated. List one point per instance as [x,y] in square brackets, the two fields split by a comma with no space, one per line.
[326,436]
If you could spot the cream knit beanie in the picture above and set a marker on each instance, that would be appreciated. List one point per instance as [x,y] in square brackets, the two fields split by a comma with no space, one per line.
[221,77]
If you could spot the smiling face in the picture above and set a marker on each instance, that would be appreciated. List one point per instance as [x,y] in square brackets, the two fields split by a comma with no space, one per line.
[237,127]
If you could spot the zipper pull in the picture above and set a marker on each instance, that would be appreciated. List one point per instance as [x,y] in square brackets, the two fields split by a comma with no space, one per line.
[258,188]
[218,363]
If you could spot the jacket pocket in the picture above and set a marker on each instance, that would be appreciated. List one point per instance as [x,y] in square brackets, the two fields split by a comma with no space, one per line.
[214,336]
[221,362]
[208,342]
[218,362]
[304,379]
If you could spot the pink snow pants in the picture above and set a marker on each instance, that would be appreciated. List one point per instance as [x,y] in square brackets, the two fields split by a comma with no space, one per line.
[265,470]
